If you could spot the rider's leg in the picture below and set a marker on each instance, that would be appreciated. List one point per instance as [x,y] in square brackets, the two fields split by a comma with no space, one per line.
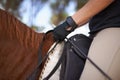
[105,52]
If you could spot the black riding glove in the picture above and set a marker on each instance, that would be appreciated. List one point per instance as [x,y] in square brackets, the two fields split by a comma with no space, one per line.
[61,31]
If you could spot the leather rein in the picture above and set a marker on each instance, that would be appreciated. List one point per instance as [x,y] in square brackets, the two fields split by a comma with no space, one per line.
[80,55]
[35,73]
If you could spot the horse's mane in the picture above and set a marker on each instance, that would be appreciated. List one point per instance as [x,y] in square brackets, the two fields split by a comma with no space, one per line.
[19,46]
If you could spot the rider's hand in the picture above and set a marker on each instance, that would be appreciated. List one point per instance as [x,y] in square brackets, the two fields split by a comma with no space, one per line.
[62,30]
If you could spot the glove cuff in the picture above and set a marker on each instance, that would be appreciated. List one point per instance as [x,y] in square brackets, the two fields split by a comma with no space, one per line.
[71,23]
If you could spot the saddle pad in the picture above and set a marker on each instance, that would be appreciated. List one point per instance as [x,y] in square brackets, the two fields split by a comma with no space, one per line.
[51,62]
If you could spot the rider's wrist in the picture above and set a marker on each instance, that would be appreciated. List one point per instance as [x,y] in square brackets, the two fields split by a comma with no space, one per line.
[72,24]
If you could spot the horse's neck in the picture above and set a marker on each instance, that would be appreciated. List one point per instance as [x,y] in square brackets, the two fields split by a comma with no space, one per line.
[13,29]
[19,45]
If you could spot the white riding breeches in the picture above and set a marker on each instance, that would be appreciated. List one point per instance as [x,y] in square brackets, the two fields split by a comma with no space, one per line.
[105,52]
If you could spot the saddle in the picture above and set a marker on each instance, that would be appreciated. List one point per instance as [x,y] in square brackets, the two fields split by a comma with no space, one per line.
[73,58]
[72,63]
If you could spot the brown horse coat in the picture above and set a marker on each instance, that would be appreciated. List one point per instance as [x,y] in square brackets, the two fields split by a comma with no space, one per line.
[19,48]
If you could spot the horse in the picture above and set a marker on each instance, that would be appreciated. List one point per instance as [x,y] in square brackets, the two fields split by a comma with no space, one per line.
[19,48]
[19,52]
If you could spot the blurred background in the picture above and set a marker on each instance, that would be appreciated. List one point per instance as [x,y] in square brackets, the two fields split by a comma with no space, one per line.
[43,15]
